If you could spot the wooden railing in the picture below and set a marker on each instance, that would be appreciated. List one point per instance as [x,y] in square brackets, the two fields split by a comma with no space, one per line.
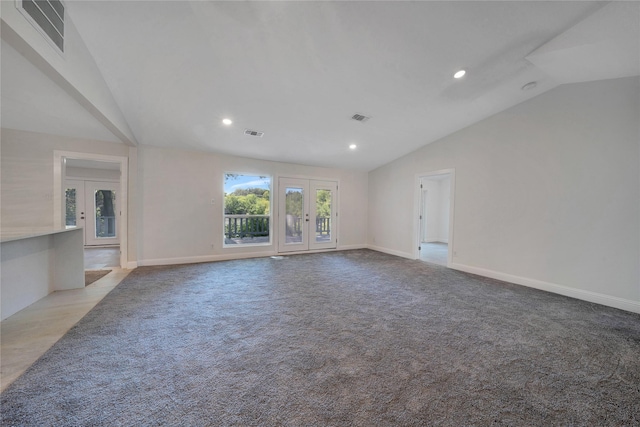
[294,224]
[323,226]
[240,226]
[106,226]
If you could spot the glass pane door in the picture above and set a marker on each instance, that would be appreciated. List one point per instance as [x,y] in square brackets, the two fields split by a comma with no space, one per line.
[323,214]
[102,216]
[295,215]
[307,214]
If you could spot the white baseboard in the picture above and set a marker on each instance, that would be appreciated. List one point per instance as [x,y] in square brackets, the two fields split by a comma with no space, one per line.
[351,247]
[391,251]
[204,258]
[595,297]
[236,255]
[132,264]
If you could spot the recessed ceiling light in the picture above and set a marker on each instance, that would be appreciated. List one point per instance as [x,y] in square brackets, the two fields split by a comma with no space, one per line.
[353,146]
[459,74]
[227,121]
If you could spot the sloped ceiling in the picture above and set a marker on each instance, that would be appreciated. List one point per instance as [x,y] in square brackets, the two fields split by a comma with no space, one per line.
[298,71]
[32,102]
[606,45]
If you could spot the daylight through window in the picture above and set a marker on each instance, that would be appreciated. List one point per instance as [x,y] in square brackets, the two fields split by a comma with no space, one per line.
[247,209]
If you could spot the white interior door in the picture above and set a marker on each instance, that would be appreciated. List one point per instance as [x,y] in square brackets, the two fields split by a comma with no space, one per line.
[307,214]
[103,216]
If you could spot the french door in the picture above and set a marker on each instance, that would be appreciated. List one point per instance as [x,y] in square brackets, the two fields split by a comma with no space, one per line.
[307,214]
[94,206]
[75,213]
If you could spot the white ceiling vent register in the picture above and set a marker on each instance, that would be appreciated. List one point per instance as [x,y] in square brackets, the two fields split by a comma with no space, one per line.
[360,117]
[47,16]
[253,133]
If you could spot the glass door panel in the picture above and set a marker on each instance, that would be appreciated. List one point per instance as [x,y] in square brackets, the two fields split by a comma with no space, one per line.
[102,216]
[74,203]
[293,233]
[323,214]
[294,198]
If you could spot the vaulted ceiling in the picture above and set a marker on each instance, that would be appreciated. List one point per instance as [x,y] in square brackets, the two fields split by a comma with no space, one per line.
[298,71]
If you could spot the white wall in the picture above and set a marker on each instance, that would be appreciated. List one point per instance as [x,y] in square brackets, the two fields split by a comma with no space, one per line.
[75,71]
[26,177]
[178,223]
[171,218]
[91,174]
[547,193]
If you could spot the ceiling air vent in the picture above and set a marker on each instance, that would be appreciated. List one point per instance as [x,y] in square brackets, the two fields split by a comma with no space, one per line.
[360,117]
[48,18]
[253,133]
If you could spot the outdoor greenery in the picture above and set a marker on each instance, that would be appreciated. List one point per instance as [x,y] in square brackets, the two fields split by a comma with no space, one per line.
[70,198]
[251,201]
[257,201]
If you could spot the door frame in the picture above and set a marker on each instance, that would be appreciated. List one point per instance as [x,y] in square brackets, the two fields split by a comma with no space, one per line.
[59,176]
[417,226]
[276,203]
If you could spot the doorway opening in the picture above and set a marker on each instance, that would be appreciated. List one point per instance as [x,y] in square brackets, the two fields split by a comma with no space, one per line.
[435,217]
[91,192]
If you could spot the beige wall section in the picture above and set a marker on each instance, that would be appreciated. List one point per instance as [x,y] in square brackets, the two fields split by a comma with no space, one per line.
[548,190]
[26,159]
[178,223]
[92,174]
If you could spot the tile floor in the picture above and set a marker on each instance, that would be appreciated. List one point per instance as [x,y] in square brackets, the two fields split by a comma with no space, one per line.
[29,333]
[434,252]
[99,258]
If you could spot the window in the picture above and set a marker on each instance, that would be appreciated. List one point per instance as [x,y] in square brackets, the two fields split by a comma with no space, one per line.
[247,209]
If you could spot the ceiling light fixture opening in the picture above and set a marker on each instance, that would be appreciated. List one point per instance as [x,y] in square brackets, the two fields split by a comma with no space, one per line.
[459,74]
[353,146]
[227,121]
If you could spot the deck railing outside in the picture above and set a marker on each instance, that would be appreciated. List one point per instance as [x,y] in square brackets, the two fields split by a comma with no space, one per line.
[106,226]
[241,226]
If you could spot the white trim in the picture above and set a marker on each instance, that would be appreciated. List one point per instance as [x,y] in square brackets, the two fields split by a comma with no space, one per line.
[417,205]
[231,257]
[391,251]
[59,170]
[598,298]
[132,265]
[351,247]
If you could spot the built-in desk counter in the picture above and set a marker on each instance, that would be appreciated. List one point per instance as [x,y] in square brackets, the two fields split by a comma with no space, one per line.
[36,263]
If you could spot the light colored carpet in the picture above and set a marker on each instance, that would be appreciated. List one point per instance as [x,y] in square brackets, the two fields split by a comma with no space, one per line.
[91,276]
[355,338]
